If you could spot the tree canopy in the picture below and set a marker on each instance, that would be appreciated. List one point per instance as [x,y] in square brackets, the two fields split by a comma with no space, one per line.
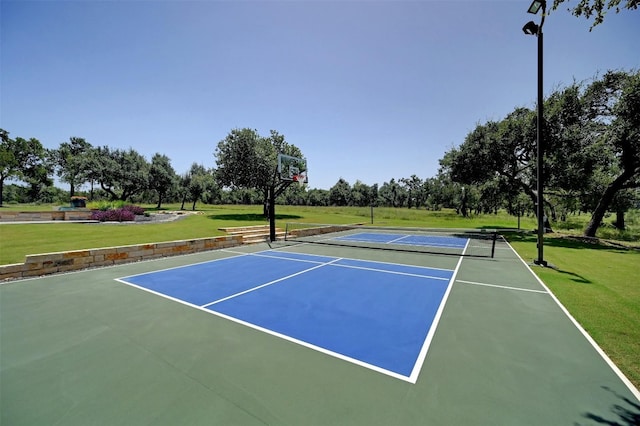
[70,161]
[23,159]
[592,147]
[247,160]
[597,9]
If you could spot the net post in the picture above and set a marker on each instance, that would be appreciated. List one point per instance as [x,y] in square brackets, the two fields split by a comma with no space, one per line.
[494,237]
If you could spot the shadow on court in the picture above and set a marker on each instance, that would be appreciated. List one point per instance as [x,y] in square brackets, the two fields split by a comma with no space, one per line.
[627,411]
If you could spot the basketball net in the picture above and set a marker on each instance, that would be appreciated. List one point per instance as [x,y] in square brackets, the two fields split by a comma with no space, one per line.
[299,178]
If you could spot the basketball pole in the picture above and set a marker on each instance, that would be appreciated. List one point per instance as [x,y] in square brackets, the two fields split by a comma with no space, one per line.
[273,194]
[272,214]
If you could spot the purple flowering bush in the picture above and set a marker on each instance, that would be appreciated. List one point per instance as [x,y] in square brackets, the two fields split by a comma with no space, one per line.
[113,215]
[136,210]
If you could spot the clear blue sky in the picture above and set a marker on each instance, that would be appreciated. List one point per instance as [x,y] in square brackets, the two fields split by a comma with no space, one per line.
[368,90]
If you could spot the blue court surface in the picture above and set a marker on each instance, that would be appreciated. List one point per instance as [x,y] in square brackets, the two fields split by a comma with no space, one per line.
[375,314]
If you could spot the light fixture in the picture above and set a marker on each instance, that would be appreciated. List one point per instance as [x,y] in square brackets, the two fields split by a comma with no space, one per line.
[535,6]
[530,28]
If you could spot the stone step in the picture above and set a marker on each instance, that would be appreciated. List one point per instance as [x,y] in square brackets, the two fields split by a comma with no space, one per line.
[253,234]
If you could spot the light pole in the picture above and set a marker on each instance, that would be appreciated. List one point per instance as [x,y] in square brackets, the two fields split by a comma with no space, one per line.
[531,28]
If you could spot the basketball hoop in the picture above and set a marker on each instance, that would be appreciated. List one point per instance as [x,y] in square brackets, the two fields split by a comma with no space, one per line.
[299,178]
[292,169]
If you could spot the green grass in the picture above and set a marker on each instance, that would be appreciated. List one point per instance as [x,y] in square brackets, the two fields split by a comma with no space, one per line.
[597,283]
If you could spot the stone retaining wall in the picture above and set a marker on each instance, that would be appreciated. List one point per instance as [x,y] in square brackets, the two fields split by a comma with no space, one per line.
[51,263]
[13,216]
[319,230]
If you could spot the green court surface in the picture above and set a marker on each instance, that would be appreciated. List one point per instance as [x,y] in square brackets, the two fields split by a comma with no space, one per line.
[85,349]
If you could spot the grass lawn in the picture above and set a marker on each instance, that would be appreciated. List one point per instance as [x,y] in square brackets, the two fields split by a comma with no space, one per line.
[597,283]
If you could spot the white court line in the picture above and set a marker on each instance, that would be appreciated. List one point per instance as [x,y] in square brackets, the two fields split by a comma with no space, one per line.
[415,373]
[367,268]
[310,346]
[344,258]
[269,283]
[275,333]
[417,365]
[266,256]
[182,266]
[408,274]
[397,239]
[502,286]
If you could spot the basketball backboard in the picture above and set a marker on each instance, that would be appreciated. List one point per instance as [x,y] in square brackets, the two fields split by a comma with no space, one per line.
[292,169]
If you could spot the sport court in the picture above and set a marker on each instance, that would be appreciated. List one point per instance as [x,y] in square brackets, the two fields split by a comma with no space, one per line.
[297,333]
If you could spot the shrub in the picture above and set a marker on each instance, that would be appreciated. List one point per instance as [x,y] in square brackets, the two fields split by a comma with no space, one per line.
[105,205]
[136,210]
[114,215]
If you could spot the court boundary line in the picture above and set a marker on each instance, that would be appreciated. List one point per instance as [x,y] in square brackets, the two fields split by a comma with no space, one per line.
[307,345]
[205,308]
[124,265]
[239,254]
[267,331]
[422,355]
[210,309]
[586,335]
[505,287]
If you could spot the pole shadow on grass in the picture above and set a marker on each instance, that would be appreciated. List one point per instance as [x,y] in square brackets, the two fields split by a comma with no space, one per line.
[575,277]
[250,217]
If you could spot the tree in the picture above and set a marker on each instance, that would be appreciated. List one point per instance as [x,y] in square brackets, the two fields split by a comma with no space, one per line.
[318,197]
[162,177]
[614,101]
[592,148]
[122,174]
[571,156]
[246,160]
[198,183]
[360,194]
[23,159]
[597,8]
[497,150]
[392,194]
[36,170]
[340,193]
[294,195]
[413,186]
[9,162]
[70,161]
[92,166]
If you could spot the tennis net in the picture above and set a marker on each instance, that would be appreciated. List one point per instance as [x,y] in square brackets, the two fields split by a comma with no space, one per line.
[458,242]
